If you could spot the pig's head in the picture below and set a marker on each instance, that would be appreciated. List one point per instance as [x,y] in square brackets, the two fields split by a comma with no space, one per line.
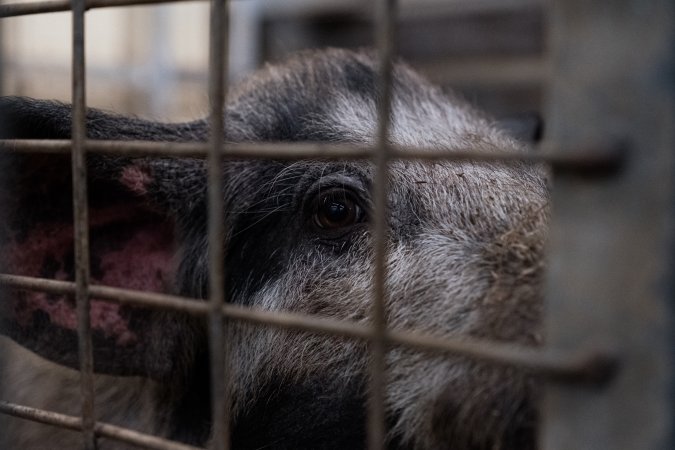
[464,259]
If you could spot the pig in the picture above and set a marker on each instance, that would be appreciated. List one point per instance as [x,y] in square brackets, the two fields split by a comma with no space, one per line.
[465,259]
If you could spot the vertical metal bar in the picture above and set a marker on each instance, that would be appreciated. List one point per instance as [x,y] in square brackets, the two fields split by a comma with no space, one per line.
[611,264]
[81,227]
[217,345]
[386,14]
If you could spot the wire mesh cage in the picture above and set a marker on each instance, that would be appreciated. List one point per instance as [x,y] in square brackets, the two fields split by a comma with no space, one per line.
[606,86]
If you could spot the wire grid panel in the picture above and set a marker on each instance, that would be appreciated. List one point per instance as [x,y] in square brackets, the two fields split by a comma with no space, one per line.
[568,366]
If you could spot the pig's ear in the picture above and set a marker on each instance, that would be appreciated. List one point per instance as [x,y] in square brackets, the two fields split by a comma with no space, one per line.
[138,211]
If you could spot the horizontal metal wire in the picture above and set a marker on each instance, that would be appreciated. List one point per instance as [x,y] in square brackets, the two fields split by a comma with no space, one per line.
[467,6]
[592,366]
[600,159]
[24,9]
[100,428]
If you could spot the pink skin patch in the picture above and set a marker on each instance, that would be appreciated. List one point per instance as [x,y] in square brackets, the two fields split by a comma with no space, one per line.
[136,179]
[130,248]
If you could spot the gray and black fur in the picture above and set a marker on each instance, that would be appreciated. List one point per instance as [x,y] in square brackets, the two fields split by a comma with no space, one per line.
[464,259]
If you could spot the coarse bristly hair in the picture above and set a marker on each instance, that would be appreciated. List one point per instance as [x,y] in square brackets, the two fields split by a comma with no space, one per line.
[464,259]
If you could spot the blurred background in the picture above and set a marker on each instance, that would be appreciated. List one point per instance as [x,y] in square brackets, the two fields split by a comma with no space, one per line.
[152,60]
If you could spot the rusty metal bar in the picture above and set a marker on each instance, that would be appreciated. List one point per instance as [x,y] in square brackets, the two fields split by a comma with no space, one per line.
[50,6]
[408,8]
[218,56]
[589,365]
[586,160]
[41,416]
[384,37]
[411,9]
[81,227]
[100,428]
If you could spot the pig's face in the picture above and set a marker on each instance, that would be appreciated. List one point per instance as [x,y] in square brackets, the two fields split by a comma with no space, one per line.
[464,259]
[473,270]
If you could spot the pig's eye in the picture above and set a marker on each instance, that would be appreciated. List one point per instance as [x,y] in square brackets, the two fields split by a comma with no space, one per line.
[336,209]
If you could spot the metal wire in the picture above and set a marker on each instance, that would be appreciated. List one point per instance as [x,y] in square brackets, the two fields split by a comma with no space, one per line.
[384,37]
[81,228]
[587,366]
[100,428]
[220,398]
[599,159]
[24,9]
[458,7]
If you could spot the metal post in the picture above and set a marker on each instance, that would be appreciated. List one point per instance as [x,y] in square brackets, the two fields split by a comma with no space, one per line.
[81,227]
[218,38]
[611,270]
[385,35]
